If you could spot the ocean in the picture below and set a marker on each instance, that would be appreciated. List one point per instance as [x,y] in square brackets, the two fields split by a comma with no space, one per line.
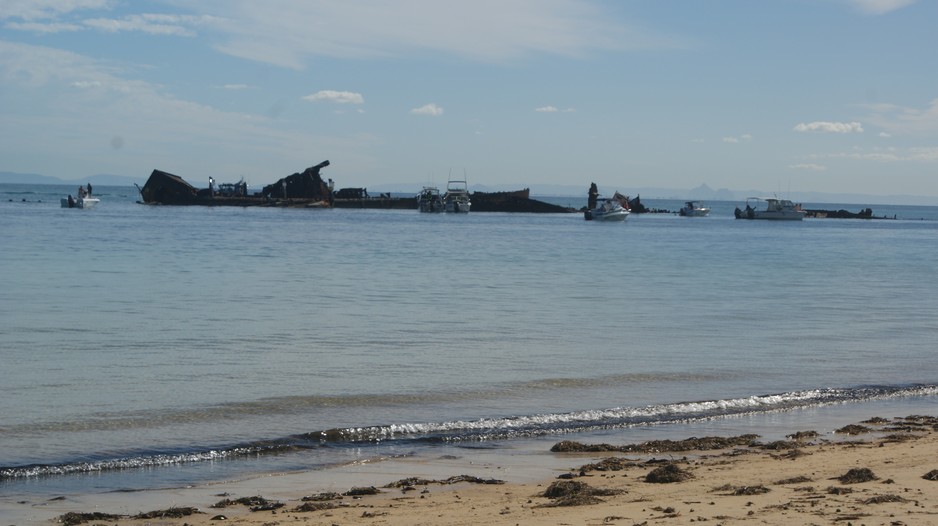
[153,346]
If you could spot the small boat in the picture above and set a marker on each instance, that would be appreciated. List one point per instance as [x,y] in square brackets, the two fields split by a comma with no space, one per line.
[430,200]
[608,210]
[80,202]
[456,199]
[694,209]
[777,209]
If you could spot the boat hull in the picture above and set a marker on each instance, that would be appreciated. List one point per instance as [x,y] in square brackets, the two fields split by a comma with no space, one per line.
[617,216]
[456,199]
[696,212]
[81,202]
[774,210]
[458,207]
[430,201]
[609,211]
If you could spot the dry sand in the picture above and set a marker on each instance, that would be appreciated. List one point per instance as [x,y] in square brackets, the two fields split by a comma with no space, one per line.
[803,480]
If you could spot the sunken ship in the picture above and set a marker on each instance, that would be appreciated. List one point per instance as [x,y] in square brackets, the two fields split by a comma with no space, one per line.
[308,189]
[301,189]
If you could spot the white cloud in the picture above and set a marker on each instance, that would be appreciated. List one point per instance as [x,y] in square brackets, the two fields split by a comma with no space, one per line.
[553,109]
[880,7]
[46,21]
[736,140]
[153,24]
[44,27]
[289,33]
[338,97]
[85,84]
[808,166]
[156,129]
[46,9]
[907,121]
[236,87]
[888,155]
[429,109]
[829,127]
[884,135]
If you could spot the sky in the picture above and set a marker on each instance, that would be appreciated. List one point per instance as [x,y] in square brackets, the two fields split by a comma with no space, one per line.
[806,95]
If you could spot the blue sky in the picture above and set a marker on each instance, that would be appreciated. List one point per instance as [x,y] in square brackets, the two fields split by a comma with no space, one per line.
[806,95]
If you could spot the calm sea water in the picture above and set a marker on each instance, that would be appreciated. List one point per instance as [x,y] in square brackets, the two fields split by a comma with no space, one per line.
[147,346]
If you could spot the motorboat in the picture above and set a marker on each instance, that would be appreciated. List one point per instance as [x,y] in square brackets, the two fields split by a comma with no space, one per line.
[770,208]
[694,209]
[456,199]
[608,210]
[79,202]
[430,200]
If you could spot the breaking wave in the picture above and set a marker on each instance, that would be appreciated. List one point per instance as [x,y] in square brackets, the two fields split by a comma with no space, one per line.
[489,429]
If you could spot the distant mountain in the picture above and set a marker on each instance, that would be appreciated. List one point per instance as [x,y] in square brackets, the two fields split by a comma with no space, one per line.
[100,179]
[705,193]
[18,178]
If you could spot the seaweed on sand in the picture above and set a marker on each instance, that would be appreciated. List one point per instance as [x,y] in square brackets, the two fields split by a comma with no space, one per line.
[803,435]
[609,464]
[361,491]
[169,513]
[322,497]
[256,503]
[881,499]
[857,475]
[668,473]
[417,481]
[314,506]
[657,446]
[575,493]
[800,479]
[749,490]
[73,518]
[781,445]
[853,429]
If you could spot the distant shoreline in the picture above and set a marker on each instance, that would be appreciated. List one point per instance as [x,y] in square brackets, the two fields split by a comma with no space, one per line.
[549,191]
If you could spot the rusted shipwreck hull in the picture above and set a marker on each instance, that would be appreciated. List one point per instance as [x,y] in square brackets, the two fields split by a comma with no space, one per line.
[302,189]
[866,213]
[516,201]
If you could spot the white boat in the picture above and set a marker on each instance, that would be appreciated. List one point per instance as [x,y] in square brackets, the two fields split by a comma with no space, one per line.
[456,199]
[774,208]
[608,210]
[80,202]
[430,200]
[694,209]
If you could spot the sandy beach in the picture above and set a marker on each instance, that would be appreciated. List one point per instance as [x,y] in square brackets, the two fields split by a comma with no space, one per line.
[876,472]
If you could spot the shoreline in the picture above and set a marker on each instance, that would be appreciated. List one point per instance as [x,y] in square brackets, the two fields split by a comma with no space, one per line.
[791,481]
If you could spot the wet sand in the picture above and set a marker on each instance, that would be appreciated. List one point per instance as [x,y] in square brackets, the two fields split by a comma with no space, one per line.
[879,472]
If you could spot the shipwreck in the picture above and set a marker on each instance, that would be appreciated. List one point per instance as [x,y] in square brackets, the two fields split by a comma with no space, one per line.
[302,189]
